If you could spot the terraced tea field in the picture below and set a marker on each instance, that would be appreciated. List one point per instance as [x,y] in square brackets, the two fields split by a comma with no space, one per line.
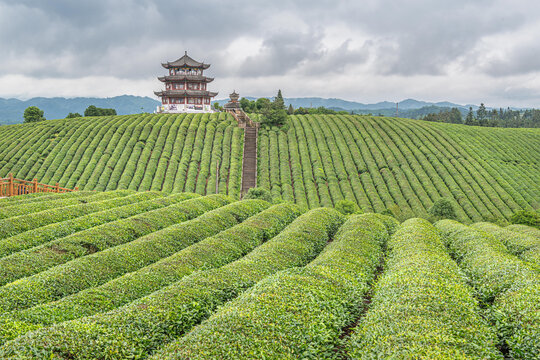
[171,153]
[153,275]
[379,163]
[403,165]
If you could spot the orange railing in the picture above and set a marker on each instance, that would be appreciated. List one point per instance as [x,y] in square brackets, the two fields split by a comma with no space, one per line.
[11,187]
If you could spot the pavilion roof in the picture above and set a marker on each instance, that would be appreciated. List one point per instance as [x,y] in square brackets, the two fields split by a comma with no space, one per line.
[232,105]
[186,61]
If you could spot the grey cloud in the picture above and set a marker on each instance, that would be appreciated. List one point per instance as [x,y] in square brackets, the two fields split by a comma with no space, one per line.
[521,60]
[282,53]
[332,61]
[94,33]
[127,39]
[423,37]
[416,37]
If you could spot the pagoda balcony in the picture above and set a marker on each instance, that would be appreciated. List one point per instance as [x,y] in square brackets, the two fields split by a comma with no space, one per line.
[185,93]
[199,78]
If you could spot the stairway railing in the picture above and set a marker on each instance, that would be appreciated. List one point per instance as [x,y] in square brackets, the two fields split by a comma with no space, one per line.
[242,118]
[11,186]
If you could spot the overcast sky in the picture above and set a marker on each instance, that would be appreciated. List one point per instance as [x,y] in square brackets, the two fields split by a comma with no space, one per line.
[361,50]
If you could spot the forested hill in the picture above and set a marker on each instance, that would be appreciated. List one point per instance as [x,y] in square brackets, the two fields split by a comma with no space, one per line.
[379,163]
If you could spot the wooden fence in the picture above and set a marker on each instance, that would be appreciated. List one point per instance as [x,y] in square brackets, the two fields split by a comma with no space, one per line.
[11,187]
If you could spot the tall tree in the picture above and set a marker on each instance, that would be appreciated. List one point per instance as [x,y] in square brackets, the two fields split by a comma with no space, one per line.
[455,116]
[290,111]
[33,114]
[279,102]
[274,113]
[481,115]
[470,120]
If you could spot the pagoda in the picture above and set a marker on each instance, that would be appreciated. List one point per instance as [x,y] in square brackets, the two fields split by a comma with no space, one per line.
[233,104]
[185,87]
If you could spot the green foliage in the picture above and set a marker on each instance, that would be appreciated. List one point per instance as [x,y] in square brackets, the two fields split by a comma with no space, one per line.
[506,285]
[347,207]
[313,160]
[73,115]
[33,114]
[127,274]
[258,193]
[307,307]
[43,196]
[452,116]
[442,209]
[470,119]
[523,245]
[393,164]
[290,110]
[59,251]
[108,263]
[138,152]
[180,249]
[422,308]
[274,114]
[95,111]
[524,217]
[318,111]
[44,213]
[387,212]
[45,226]
[524,229]
[481,115]
[172,311]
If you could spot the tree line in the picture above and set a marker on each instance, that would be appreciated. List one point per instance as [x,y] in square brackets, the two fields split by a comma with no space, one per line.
[509,118]
[274,112]
[35,114]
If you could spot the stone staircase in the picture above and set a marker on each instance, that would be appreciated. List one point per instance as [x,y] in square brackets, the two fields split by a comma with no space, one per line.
[249,165]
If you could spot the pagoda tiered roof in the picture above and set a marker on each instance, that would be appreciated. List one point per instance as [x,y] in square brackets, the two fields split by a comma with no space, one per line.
[185,61]
[233,103]
[198,78]
[185,93]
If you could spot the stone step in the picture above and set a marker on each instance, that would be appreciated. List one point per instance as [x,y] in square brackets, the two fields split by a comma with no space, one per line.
[249,165]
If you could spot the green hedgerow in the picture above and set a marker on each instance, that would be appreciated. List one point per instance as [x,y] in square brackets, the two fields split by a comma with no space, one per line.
[524,217]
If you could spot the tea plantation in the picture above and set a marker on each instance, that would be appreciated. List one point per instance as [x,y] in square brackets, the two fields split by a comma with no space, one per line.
[157,256]
[399,165]
[150,275]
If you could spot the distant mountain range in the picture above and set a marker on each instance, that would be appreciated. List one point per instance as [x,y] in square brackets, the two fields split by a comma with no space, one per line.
[340,104]
[11,110]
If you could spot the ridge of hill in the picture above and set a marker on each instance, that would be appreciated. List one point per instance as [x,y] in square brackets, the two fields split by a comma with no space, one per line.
[11,110]
[379,163]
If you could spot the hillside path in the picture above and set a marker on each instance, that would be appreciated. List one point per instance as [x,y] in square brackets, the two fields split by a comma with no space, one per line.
[249,164]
